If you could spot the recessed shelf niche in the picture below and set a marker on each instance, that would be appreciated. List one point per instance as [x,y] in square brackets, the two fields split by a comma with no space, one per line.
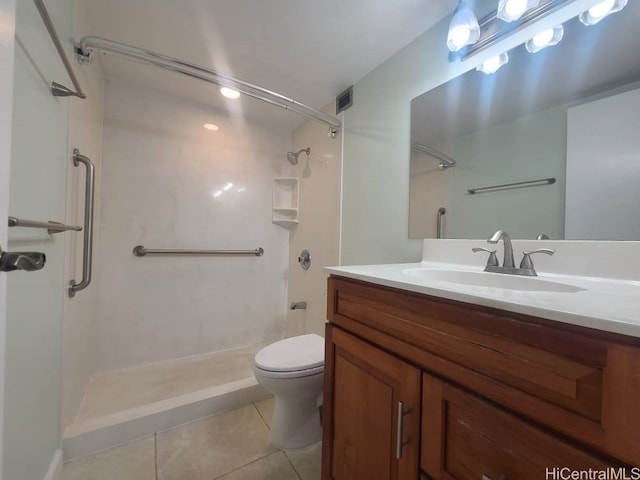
[285,201]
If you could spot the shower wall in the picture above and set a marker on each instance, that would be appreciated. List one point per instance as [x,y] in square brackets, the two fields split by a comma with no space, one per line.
[319,228]
[169,183]
[85,133]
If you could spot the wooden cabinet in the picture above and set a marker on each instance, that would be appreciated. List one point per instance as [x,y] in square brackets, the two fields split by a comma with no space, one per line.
[492,393]
[375,412]
[464,436]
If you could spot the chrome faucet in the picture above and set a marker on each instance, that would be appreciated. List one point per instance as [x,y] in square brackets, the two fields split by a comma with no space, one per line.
[507,261]
[508,265]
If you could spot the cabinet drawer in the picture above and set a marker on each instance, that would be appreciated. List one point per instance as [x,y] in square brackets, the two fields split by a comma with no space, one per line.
[464,437]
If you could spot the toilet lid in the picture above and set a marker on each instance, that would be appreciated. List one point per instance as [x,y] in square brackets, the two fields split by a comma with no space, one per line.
[295,353]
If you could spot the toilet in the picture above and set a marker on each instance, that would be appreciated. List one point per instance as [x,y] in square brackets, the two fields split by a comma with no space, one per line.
[292,370]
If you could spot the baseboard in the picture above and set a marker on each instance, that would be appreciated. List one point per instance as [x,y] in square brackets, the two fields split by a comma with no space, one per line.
[55,467]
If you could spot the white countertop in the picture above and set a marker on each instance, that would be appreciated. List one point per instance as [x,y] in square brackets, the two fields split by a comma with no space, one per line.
[601,303]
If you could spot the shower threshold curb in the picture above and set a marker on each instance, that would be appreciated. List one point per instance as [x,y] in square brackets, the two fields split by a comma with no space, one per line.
[107,431]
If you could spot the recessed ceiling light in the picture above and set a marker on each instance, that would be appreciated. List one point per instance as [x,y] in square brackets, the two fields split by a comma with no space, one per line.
[229,92]
[211,126]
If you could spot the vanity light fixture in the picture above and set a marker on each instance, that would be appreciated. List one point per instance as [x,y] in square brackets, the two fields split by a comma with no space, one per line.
[601,10]
[512,10]
[491,65]
[463,29]
[230,92]
[544,39]
[506,20]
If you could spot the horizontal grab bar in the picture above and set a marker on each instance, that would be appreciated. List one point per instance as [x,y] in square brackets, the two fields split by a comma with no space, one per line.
[508,186]
[140,251]
[52,227]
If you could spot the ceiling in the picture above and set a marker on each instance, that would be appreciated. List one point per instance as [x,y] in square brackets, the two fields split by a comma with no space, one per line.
[306,50]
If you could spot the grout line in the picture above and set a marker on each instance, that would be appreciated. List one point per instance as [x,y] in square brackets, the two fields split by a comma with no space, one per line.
[247,464]
[292,465]
[155,453]
[259,413]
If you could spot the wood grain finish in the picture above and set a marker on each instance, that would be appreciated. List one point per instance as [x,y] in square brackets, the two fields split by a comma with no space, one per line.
[577,381]
[363,421]
[464,437]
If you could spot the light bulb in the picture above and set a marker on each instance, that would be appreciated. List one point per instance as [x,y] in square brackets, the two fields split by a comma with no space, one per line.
[515,8]
[543,38]
[492,64]
[463,29]
[229,92]
[512,10]
[546,38]
[459,36]
[601,10]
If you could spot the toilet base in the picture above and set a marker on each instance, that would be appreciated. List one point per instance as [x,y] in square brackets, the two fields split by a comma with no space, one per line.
[295,422]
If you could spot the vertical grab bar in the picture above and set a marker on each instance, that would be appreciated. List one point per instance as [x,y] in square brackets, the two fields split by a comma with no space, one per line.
[440,218]
[88,224]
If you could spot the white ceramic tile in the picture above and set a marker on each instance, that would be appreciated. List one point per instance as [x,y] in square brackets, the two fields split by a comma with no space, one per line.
[213,447]
[319,226]
[161,172]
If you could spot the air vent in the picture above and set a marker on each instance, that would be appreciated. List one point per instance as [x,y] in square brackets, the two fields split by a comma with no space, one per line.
[344,100]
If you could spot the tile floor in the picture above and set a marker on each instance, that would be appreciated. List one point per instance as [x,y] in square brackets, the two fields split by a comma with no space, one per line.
[230,446]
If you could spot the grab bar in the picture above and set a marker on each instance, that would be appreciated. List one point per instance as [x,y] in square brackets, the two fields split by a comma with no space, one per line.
[56,89]
[88,224]
[51,226]
[439,220]
[140,251]
[508,186]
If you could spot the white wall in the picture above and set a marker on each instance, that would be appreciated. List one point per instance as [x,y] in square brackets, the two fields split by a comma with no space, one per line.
[319,228]
[79,340]
[376,142]
[7,33]
[160,171]
[39,162]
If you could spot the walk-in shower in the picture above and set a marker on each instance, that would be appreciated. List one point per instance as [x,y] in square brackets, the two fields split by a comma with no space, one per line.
[293,156]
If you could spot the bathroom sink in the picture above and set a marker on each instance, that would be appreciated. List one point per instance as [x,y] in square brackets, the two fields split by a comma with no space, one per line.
[490,280]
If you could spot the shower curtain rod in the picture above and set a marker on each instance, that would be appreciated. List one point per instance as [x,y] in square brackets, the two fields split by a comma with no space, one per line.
[447,161]
[90,44]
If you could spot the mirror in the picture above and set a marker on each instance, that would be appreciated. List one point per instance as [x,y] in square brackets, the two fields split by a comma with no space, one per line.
[569,114]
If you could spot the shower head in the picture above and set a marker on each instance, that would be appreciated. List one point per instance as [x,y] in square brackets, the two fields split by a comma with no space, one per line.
[293,156]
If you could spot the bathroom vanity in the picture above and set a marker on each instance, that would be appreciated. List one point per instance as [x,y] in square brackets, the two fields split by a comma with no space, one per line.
[423,383]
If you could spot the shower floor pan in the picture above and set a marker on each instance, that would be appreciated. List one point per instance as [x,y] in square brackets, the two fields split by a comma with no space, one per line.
[123,405]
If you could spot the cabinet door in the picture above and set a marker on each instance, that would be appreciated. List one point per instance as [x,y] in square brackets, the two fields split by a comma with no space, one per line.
[466,438]
[371,412]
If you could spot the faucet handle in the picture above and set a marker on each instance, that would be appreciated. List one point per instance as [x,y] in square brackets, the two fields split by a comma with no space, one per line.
[493,260]
[526,262]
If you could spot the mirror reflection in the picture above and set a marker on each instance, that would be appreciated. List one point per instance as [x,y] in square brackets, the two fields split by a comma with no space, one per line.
[556,132]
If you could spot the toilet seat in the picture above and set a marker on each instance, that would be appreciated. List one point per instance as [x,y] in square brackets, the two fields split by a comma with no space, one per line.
[292,357]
